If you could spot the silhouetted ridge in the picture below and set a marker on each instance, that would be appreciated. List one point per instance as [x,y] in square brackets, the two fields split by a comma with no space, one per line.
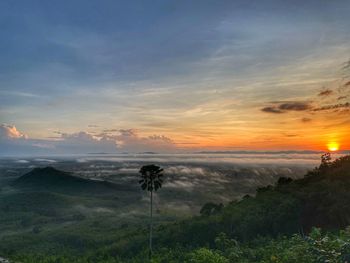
[52,179]
[47,176]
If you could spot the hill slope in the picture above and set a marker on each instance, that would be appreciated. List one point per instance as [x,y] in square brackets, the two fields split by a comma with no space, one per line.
[321,199]
[51,179]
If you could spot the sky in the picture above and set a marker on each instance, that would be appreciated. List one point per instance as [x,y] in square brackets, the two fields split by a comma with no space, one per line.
[174,76]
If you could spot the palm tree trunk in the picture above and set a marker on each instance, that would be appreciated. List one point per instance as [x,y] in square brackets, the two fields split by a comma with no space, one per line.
[151,228]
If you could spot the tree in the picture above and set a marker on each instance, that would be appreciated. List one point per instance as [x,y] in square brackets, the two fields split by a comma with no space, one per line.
[326,160]
[211,209]
[205,255]
[151,180]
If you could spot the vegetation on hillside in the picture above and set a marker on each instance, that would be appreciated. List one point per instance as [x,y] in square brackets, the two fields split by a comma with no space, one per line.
[282,223]
[51,179]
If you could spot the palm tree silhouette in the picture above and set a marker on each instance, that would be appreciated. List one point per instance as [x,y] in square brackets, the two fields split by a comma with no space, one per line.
[151,180]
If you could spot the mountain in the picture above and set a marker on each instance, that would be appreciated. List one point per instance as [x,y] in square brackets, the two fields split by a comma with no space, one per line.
[51,179]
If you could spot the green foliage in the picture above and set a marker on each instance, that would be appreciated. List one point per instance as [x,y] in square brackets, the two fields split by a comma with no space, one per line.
[53,180]
[211,209]
[230,248]
[204,255]
[330,248]
[317,247]
[151,177]
[277,225]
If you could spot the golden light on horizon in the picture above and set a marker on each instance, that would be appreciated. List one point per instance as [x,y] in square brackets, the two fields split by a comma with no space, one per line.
[333,146]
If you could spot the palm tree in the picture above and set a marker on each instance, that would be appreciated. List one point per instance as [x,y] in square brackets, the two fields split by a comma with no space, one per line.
[151,180]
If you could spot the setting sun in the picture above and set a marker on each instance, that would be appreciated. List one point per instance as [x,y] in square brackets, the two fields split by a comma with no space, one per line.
[333,146]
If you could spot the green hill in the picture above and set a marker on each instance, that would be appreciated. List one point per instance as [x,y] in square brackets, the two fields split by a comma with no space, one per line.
[51,179]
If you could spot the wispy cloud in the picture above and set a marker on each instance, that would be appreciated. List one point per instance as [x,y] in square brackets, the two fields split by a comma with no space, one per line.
[342,97]
[305,119]
[326,92]
[332,107]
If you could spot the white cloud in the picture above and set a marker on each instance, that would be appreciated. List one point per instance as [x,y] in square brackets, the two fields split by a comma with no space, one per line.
[130,141]
[10,132]
[84,142]
[14,142]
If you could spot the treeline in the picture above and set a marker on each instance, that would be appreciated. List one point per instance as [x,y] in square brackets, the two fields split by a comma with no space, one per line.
[316,247]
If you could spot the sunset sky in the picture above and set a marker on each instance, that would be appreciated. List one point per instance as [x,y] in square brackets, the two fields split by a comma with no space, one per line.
[106,76]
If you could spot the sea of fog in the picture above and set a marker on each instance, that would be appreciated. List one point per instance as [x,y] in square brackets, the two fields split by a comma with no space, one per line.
[189,179]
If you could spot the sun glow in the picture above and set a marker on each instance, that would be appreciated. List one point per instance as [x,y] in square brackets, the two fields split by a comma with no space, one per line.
[333,146]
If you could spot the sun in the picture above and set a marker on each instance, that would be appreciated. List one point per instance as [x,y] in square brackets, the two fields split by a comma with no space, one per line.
[333,146]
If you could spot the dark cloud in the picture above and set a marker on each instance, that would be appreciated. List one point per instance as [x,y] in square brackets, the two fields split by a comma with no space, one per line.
[111,130]
[333,107]
[306,119]
[342,97]
[347,65]
[326,92]
[93,126]
[185,143]
[291,135]
[271,110]
[284,107]
[295,106]
[347,84]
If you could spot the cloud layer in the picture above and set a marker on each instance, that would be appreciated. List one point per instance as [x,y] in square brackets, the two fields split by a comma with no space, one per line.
[14,142]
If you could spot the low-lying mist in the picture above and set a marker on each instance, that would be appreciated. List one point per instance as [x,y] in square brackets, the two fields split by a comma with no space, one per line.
[190,179]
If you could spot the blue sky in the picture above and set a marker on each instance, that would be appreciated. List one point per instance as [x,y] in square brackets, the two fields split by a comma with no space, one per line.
[178,69]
